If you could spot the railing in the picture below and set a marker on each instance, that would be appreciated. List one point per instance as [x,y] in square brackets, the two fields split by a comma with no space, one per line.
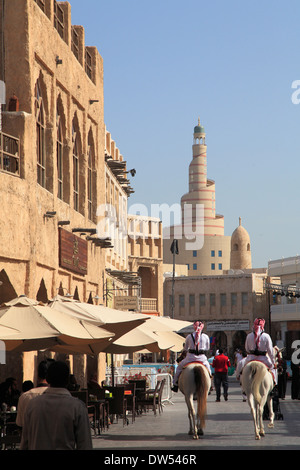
[148,305]
[122,376]
[9,154]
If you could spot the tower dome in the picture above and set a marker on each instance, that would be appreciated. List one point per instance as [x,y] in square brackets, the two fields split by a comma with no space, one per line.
[199,132]
[240,256]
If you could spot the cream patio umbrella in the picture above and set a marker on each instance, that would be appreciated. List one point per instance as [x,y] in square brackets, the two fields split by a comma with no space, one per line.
[133,331]
[167,328]
[117,321]
[41,327]
[167,323]
[141,338]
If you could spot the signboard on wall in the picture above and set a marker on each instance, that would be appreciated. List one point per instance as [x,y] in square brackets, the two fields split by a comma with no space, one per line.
[72,252]
[123,302]
[228,325]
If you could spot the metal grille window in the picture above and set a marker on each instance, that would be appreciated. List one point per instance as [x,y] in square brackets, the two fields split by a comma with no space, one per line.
[40,137]
[212,300]
[75,170]
[223,300]
[202,300]
[75,43]
[41,4]
[244,298]
[9,154]
[59,19]
[181,300]
[88,64]
[59,156]
[233,298]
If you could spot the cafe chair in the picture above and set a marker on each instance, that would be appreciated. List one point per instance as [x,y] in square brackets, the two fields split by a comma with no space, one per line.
[153,398]
[10,433]
[148,399]
[130,395]
[117,403]
[91,408]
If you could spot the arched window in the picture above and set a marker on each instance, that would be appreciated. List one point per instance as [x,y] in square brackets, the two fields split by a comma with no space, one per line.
[59,155]
[90,184]
[91,189]
[75,169]
[40,136]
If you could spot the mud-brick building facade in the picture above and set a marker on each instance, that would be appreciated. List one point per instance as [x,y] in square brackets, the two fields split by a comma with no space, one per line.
[52,156]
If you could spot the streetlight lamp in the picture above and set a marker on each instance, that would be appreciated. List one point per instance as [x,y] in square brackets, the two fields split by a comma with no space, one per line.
[175,251]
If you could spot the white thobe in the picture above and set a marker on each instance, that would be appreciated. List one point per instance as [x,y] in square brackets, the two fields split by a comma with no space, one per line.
[264,344]
[204,345]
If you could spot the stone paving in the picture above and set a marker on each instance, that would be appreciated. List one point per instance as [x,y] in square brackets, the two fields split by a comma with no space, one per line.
[229,427]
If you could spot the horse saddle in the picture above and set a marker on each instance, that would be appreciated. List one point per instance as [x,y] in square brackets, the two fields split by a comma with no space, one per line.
[194,362]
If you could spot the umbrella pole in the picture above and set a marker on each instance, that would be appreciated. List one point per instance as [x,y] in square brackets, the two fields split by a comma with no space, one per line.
[112,370]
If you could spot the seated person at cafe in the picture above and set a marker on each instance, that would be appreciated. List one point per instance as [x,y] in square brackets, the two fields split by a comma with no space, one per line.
[93,385]
[9,393]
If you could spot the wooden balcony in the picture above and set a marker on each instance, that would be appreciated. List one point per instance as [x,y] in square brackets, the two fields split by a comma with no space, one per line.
[149,305]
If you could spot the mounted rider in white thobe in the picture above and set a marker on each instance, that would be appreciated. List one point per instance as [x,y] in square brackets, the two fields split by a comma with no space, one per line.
[259,347]
[196,345]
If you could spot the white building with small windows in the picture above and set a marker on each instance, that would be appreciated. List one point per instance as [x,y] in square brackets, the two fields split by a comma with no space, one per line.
[227,304]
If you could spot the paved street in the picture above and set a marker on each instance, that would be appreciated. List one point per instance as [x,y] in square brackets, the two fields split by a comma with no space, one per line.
[229,427]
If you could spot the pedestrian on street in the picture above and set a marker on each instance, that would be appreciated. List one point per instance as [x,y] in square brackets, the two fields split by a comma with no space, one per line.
[56,420]
[221,363]
[282,376]
[34,392]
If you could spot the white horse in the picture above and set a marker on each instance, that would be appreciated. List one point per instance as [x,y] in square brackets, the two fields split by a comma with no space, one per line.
[195,380]
[257,383]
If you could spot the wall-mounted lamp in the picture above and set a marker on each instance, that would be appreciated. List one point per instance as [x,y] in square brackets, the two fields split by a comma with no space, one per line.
[58,60]
[50,214]
[84,230]
[96,297]
[132,172]
[94,101]
[63,222]
[63,289]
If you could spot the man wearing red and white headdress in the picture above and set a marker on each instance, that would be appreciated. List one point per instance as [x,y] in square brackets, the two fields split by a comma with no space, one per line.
[196,346]
[259,347]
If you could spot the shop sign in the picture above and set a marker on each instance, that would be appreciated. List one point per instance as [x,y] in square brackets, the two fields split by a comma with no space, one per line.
[228,325]
[123,302]
[72,252]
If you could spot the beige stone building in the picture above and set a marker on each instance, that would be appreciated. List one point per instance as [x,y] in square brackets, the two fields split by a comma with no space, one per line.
[52,157]
[227,304]
[59,167]
[284,300]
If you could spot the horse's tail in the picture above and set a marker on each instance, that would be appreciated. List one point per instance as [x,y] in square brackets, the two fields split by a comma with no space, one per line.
[201,390]
[258,371]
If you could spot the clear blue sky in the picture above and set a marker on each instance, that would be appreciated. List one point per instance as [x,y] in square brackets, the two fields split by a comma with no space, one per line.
[231,63]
